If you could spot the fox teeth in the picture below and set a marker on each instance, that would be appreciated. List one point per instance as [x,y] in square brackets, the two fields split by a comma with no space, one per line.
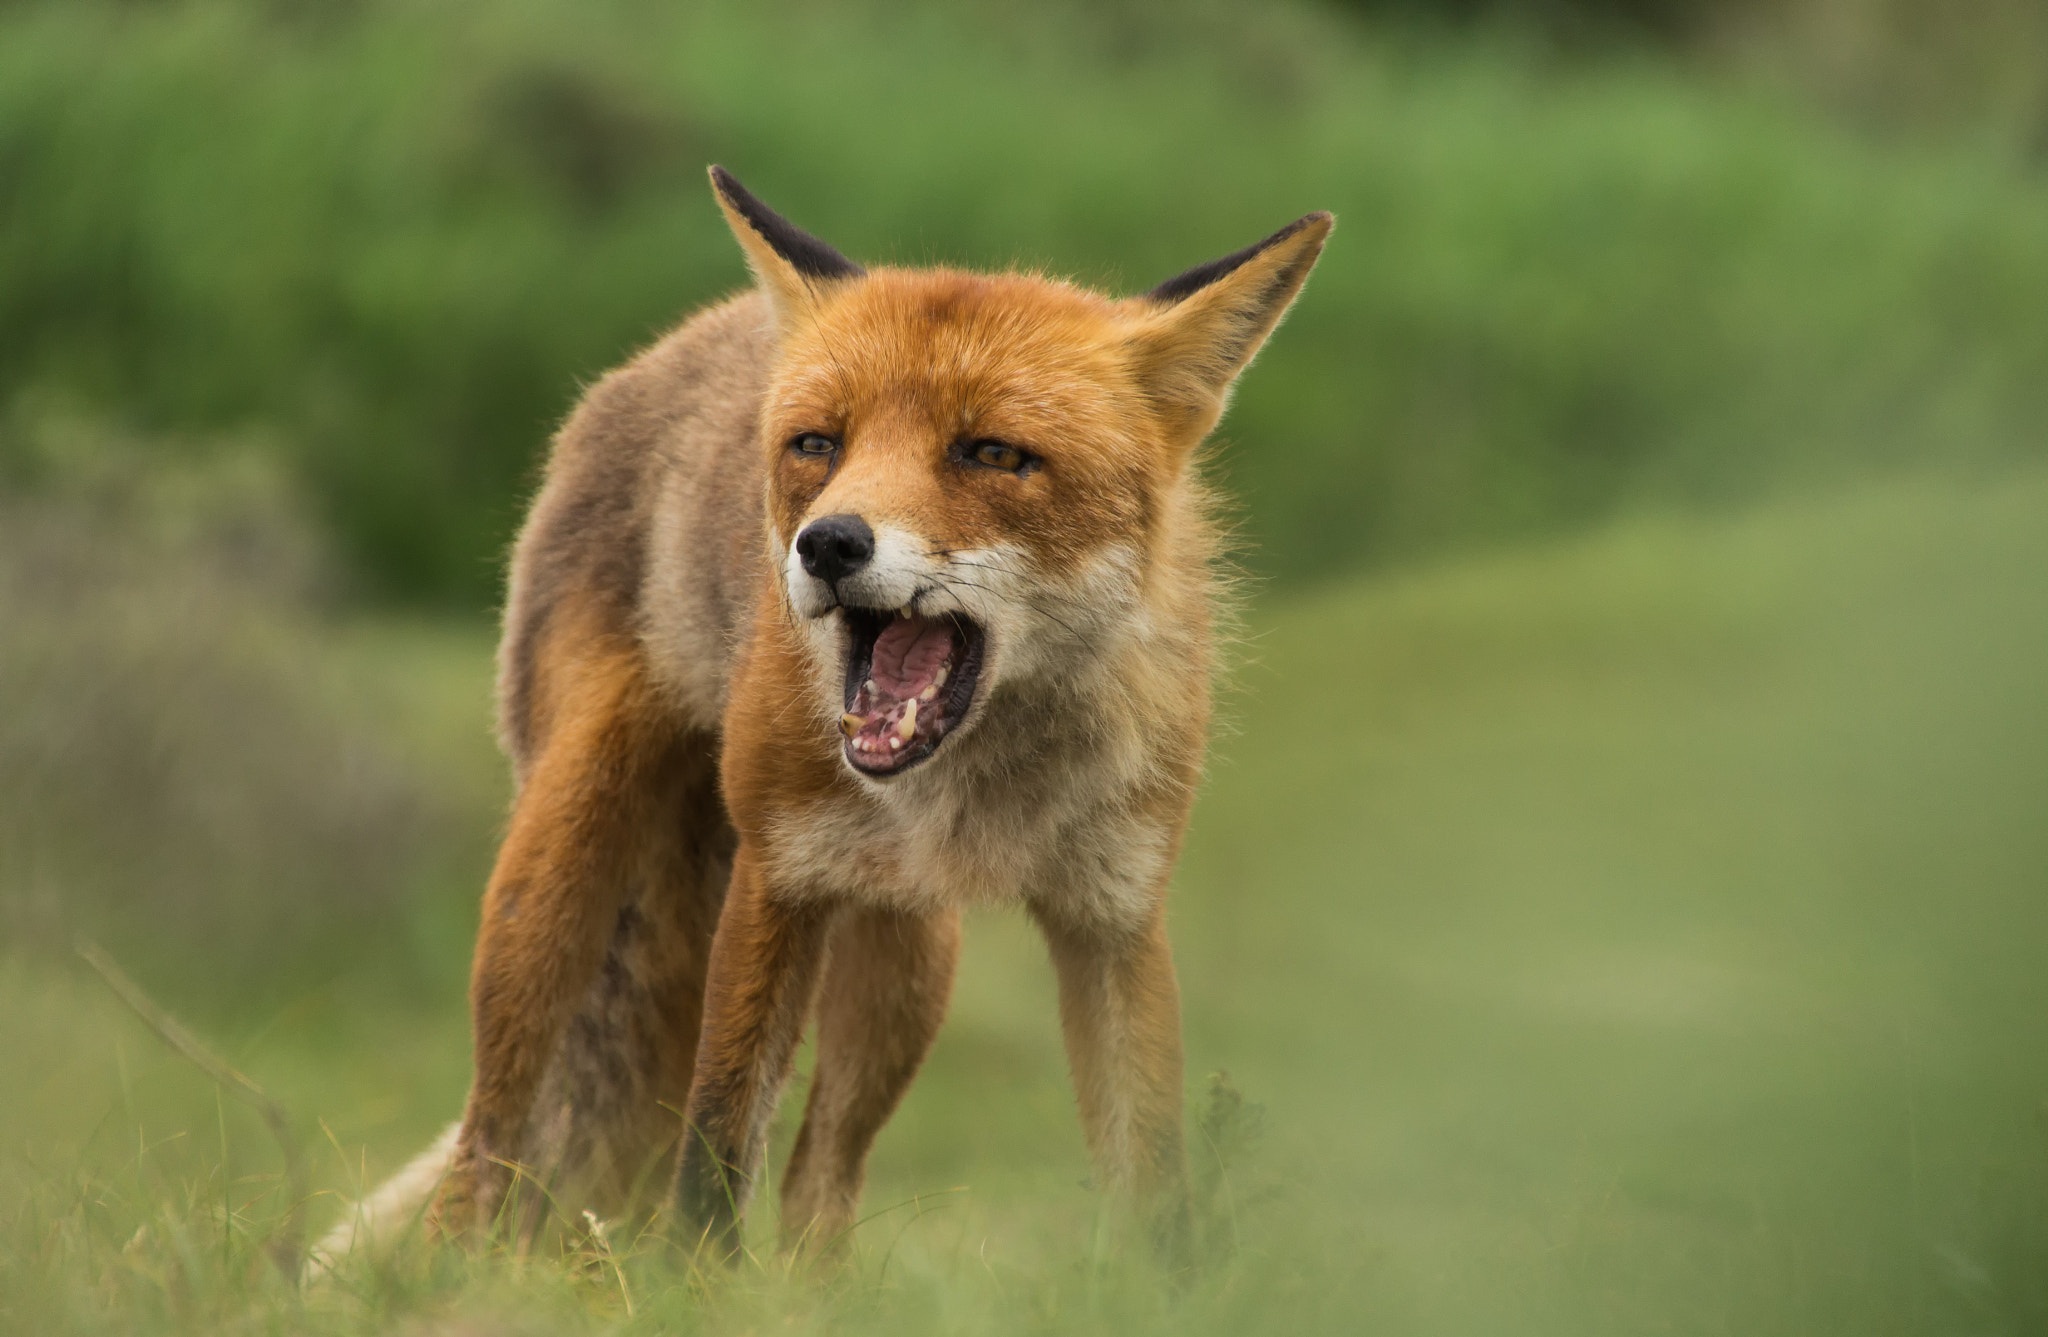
[849,724]
[908,725]
[903,611]
[871,687]
[895,743]
[929,694]
[939,678]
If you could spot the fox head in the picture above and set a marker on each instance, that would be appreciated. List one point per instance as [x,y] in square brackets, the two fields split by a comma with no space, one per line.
[977,482]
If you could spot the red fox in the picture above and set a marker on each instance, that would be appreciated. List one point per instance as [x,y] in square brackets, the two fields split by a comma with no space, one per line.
[858,599]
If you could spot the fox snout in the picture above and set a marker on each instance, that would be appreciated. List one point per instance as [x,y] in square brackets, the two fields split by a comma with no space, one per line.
[843,560]
[835,547]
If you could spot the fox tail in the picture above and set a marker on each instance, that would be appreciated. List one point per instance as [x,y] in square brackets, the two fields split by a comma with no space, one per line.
[401,1201]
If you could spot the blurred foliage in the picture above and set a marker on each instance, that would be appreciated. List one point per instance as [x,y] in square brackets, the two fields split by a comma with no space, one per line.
[390,240]
[1907,65]
[1910,65]
[190,766]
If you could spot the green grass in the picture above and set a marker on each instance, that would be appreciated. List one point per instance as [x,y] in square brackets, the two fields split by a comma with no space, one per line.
[386,241]
[1640,933]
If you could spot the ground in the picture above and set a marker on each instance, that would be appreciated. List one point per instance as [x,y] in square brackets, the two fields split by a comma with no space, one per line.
[1641,933]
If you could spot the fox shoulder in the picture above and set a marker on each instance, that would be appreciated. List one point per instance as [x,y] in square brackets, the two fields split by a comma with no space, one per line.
[648,518]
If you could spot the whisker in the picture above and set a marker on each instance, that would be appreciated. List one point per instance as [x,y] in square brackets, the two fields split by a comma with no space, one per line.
[1040,594]
[962,582]
[953,561]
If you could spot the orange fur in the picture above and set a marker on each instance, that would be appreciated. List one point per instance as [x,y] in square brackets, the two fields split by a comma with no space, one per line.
[694,581]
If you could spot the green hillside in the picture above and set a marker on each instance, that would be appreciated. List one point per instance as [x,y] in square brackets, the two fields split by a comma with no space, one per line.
[1641,933]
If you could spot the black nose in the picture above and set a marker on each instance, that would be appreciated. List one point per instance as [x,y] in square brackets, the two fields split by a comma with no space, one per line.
[835,546]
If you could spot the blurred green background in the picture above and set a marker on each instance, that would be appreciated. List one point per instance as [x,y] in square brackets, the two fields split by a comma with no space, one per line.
[1622,886]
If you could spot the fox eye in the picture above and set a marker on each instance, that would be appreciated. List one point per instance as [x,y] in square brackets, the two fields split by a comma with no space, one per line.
[998,455]
[811,443]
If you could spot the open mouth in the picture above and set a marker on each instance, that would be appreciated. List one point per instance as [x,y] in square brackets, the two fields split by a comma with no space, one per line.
[909,680]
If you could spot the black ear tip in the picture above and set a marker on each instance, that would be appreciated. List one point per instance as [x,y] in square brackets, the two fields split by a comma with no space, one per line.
[805,253]
[727,185]
[1185,285]
[1321,221]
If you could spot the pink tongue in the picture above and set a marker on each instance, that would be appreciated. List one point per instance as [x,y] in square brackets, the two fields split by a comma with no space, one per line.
[908,654]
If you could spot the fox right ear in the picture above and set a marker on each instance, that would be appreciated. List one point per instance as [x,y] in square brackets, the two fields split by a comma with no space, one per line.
[1197,331]
[793,267]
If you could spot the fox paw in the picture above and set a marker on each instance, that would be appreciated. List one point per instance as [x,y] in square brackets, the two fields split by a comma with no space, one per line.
[467,1202]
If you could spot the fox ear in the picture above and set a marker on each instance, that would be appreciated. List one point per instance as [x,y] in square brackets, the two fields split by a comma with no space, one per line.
[1198,330]
[793,267]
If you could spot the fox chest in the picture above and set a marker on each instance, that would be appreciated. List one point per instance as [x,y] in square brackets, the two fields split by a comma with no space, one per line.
[1070,837]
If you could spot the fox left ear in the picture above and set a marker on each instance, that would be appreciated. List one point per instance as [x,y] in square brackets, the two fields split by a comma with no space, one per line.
[793,267]
[1197,331]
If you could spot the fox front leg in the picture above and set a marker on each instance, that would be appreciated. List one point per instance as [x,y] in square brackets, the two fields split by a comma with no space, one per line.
[1120,1016]
[888,975]
[763,972]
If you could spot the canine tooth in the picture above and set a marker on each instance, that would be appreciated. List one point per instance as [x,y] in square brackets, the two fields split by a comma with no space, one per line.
[849,723]
[903,611]
[908,725]
[930,693]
